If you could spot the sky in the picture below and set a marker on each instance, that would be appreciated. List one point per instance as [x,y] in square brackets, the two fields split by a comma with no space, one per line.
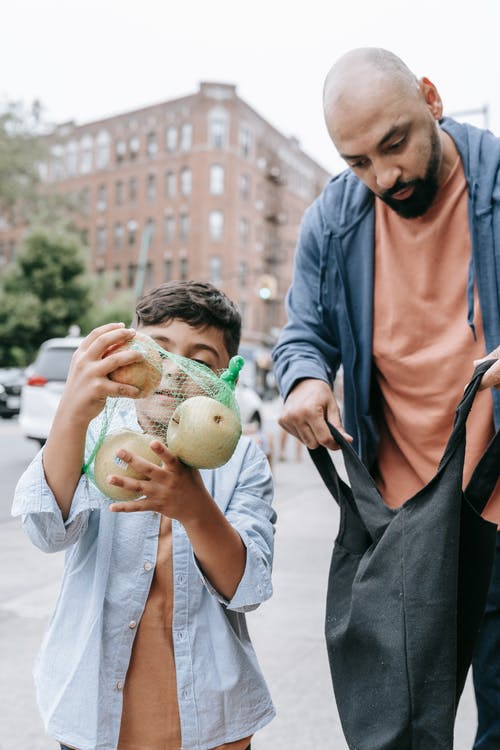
[88,60]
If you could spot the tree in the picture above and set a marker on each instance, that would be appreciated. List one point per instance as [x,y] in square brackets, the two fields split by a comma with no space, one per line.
[44,291]
[22,149]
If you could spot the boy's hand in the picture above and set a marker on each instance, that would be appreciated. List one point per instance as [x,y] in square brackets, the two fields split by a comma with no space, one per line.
[173,489]
[88,385]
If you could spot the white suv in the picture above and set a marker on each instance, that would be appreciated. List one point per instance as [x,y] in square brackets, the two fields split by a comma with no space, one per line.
[46,377]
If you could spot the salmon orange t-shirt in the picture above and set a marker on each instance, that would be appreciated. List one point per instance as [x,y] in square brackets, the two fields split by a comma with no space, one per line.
[150,716]
[423,346]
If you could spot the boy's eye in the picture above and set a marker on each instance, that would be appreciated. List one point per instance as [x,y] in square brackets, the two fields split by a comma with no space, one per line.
[205,364]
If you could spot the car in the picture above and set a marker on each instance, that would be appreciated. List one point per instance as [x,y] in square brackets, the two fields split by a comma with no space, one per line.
[46,379]
[11,382]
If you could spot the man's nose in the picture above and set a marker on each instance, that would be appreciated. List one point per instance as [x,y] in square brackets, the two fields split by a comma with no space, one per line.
[386,177]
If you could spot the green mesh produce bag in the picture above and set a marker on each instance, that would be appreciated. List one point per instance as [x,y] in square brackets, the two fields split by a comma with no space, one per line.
[187,406]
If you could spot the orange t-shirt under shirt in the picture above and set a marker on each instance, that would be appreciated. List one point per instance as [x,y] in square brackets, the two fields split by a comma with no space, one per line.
[150,716]
[423,347]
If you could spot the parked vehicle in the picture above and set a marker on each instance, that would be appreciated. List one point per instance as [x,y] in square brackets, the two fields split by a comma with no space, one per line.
[45,382]
[11,382]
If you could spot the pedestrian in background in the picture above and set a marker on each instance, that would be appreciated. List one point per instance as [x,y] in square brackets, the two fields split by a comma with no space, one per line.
[397,278]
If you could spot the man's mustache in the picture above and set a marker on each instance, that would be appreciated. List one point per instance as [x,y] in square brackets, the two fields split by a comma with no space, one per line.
[397,187]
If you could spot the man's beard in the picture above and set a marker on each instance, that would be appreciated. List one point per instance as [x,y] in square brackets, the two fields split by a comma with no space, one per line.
[424,188]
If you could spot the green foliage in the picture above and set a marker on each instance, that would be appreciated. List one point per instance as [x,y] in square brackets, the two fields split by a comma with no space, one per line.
[44,291]
[21,150]
[119,309]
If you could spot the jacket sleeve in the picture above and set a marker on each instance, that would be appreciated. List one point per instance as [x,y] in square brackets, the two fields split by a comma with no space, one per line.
[251,513]
[307,347]
[41,515]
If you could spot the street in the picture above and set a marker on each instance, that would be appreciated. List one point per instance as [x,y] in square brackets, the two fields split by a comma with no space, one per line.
[287,631]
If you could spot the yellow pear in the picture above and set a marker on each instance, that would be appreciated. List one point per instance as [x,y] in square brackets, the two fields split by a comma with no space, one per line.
[145,375]
[107,462]
[203,432]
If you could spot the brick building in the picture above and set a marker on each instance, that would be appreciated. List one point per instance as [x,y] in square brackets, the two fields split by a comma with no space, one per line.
[196,187]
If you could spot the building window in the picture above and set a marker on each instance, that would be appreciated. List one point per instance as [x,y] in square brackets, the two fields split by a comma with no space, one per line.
[243,228]
[183,227]
[151,187]
[132,232]
[101,239]
[118,236]
[119,193]
[134,145]
[171,139]
[150,229]
[169,229]
[242,274]
[102,150]
[168,269]
[216,225]
[148,276]
[85,201]
[215,269]
[152,146]
[132,190]
[170,186]
[186,136]
[245,139]
[186,181]
[57,163]
[217,128]
[216,179]
[71,158]
[86,146]
[244,187]
[117,277]
[120,150]
[130,275]
[183,269]
[102,198]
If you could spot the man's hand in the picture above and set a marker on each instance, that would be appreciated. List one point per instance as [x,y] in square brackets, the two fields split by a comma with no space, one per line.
[307,409]
[491,378]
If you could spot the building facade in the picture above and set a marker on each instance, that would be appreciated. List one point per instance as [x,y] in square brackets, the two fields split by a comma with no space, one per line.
[198,187]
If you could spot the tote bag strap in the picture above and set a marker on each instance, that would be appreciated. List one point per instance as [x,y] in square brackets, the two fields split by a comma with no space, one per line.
[463,409]
[368,504]
[485,476]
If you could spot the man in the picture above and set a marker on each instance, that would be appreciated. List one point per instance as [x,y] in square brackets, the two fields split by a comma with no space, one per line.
[397,278]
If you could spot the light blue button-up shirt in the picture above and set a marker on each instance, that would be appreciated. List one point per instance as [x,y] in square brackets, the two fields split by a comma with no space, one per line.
[82,665]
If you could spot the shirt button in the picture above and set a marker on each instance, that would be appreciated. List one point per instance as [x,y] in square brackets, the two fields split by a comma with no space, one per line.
[180,635]
[119,685]
[132,624]
[185,693]
[147,566]
[181,578]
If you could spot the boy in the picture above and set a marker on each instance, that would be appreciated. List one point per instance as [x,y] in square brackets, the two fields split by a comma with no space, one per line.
[148,647]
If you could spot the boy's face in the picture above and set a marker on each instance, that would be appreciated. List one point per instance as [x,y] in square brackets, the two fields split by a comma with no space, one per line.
[204,345]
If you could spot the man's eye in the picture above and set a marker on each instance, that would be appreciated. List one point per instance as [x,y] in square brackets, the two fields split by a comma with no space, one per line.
[360,164]
[396,145]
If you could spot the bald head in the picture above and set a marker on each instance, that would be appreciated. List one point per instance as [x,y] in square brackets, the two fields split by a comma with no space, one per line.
[362,78]
[366,66]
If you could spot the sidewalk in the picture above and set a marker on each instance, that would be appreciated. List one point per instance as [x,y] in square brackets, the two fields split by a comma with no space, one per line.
[287,631]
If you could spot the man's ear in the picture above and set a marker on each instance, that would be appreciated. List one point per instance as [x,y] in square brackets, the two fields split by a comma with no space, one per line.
[431,97]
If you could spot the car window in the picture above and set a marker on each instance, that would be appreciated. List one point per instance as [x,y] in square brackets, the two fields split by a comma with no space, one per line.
[53,363]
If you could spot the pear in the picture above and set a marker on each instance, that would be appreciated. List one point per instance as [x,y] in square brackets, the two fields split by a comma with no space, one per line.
[203,433]
[107,462]
[145,375]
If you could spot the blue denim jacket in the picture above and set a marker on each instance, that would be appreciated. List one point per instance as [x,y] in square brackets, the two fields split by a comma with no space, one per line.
[110,559]
[330,302]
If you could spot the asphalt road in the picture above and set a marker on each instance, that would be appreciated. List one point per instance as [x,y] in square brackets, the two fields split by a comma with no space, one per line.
[287,631]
